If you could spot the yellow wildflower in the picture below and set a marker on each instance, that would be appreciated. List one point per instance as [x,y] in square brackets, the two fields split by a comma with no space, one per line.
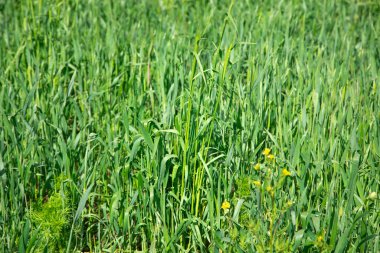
[270,157]
[266,151]
[372,196]
[285,172]
[226,205]
[257,183]
[270,190]
[341,212]
[257,166]
[320,239]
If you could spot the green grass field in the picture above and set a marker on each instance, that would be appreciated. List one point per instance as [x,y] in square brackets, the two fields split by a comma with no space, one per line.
[189,126]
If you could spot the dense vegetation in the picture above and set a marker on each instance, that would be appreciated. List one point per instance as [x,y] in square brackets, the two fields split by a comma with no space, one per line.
[198,126]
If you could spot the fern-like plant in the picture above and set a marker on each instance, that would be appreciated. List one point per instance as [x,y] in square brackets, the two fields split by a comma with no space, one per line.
[49,219]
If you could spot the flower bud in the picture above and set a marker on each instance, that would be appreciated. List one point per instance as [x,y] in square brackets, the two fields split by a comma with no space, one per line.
[372,196]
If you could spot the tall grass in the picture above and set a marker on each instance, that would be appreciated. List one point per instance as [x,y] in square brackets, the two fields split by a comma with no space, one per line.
[124,126]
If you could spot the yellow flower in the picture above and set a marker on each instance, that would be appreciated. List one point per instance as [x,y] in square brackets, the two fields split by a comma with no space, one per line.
[257,183]
[320,239]
[226,205]
[270,190]
[341,212]
[372,196]
[257,166]
[270,157]
[285,172]
[289,203]
[266,151]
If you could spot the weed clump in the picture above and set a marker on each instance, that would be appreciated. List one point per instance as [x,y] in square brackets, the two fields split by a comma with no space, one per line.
[49,219]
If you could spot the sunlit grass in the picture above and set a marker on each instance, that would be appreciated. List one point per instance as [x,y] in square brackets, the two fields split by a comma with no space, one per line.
[193,126]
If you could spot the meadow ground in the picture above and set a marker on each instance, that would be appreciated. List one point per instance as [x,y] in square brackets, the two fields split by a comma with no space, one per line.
[189,126]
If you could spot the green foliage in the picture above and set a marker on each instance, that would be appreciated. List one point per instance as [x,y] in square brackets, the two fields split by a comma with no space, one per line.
[49,219]
[243,185]
[125,125]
